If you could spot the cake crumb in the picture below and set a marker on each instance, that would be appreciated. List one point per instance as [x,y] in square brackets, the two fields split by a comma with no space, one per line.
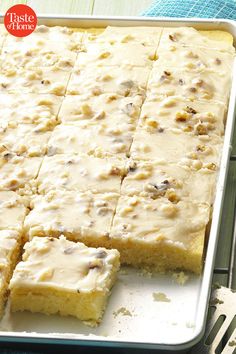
[90,323]
[122,311]
[105,334]
[145,272]
[216,285]
[216,301]
[123,271]
[161,297]
[180,277]
[190,325]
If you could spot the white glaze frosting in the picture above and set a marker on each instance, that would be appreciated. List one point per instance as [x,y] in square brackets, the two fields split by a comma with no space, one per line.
[80,173]
[64,265]
[81,214]
[150,221]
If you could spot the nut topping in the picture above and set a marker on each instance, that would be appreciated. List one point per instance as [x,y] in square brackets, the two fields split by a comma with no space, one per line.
[129,109]
[115,171]
[190,110]
[167,73]
[132,166]
[45,82]
[172,37]
[128,83]
[7,156]
[181,116]
[201,129]
[101,254]
[96,264]
[69,250]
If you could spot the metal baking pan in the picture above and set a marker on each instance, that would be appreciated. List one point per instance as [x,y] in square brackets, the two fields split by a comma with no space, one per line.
[147,324]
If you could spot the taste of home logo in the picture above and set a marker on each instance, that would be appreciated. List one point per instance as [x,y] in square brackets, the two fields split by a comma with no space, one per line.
[20,20]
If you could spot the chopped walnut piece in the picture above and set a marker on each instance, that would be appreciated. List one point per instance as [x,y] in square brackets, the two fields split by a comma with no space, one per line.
[101,254]
[96,91]
[128,83]
[167,73]
[190,110]
[173,37]
[188,129]
[127,38]
[199,82]
[193,89]
[86,109]
[104,55]
[96,264]
[7,156]
[201,129]
[111,98]
[115,171]
[161,297]
[201,148]
[218,61]
[172,196]
[106,77]
[211,166]
[103,211]
[129,109]
[152,123]
[181,116]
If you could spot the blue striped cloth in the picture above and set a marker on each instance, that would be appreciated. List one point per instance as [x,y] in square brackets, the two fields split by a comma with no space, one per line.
[193,8]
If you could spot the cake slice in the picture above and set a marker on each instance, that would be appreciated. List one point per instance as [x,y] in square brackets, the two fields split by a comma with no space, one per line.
[106,54]
[195,59]
[80,173]
[205,85]
[190,37]
[38,55]
[38,80]
[175,146]
[59,37]
[10,244]
[96,80]
[13,209]
[40,110]
[18,172]
[109,107]
[172,181]
[24,139]
[159,234]
[148,36]
[84,217]
[97,139]
[198,117]
[57,276]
